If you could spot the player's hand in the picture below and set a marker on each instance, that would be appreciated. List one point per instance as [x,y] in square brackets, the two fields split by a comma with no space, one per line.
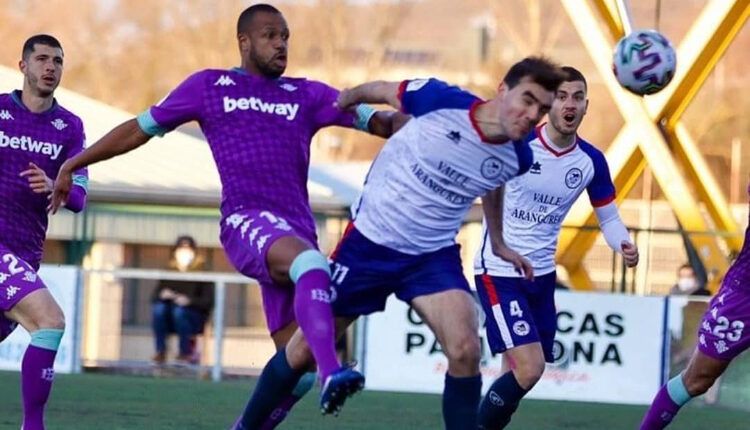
[629,253]
[345,100]
[182,300]
[61,190]
[521,263]
[38,180]
[167,294]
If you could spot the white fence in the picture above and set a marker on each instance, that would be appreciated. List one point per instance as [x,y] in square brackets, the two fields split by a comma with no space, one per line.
[602,340]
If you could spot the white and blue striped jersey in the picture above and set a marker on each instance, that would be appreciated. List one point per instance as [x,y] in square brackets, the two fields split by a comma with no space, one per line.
[536,203]
[429,173]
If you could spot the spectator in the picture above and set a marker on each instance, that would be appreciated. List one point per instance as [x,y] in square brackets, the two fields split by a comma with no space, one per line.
[688,283]
[181,307]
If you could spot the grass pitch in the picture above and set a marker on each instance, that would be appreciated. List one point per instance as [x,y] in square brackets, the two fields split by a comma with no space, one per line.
[93,401]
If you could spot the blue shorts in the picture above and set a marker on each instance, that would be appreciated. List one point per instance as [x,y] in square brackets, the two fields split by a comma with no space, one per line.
[364,274]
[519,312]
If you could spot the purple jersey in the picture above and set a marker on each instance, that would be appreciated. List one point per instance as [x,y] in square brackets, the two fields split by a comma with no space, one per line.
[739,273]
[259,131]
[46,139]
[725,330]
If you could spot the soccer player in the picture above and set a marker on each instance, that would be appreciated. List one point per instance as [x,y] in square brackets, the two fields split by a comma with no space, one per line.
[258,124]
[36,136]
[401,240]
[722,336]
[521,316]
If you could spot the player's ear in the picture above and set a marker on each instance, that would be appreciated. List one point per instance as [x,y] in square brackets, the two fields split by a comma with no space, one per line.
[502,88]
[243,40]
[22,66]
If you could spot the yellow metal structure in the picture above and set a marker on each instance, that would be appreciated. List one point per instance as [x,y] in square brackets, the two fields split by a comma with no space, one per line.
[641,141]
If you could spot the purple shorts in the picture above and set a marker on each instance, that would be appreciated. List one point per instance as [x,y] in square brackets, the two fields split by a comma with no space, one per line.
[17,280]
[725,330]
[247,236]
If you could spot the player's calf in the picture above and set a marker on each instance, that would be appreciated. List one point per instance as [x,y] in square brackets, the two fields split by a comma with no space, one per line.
[698,380]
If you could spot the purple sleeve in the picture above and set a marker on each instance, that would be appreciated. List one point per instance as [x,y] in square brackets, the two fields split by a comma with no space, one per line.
[77,197]
[181,105]
[324,112]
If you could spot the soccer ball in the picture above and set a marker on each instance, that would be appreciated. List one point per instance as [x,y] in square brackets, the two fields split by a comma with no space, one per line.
[644,62]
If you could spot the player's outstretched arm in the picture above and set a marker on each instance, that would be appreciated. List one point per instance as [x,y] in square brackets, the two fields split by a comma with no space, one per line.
[386,123]
[492,206]
[377,92]
[616,234]
[123,138]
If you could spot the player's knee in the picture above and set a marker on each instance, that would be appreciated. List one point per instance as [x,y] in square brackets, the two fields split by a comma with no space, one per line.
[465,353]
[52,320]
[528,373]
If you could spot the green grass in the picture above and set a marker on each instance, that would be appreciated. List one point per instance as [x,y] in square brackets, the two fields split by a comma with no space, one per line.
[91,401]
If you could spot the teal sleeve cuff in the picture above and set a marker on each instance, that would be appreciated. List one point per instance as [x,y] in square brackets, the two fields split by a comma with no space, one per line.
[81,181]
[364,113]
[149,125]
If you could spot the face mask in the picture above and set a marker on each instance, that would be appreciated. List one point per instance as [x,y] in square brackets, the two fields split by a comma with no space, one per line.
[685,284]
[184,257]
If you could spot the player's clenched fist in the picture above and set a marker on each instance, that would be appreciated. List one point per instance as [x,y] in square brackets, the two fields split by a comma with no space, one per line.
[629,254]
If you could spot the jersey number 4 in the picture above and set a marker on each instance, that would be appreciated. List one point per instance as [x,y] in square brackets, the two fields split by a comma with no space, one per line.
[515,309]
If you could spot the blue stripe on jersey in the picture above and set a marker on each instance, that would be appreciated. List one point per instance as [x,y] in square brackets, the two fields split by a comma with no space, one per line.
[419,96]
[524,152]
[601,190]
[148,124]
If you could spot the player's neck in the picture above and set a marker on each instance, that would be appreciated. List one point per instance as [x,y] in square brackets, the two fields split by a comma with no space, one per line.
[35,103]
[253,71]
[562,141]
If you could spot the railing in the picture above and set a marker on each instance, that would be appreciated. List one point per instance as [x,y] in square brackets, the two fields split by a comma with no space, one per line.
[218,279]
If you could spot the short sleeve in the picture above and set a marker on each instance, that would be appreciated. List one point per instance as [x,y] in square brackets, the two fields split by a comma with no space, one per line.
[181,105]
[325,114]
[422,96]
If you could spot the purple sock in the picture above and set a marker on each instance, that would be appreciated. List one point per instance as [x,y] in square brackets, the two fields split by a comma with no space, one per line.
[663,409]
[314,315]
[37,374]
[279,414]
